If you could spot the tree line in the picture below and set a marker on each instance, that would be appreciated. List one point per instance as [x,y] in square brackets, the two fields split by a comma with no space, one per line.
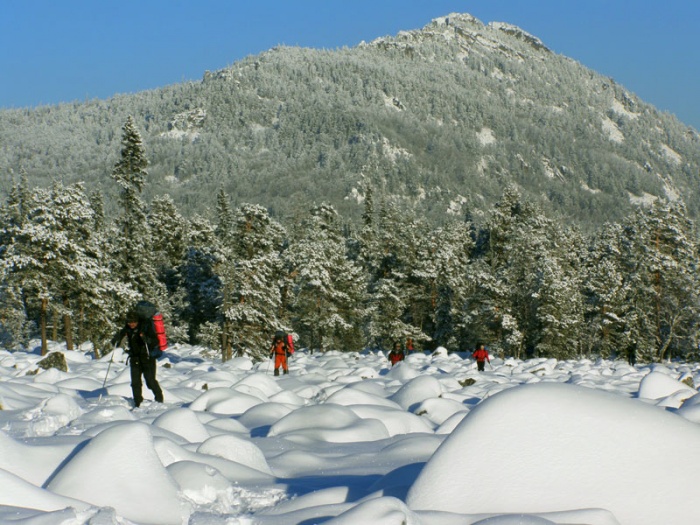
[509,276]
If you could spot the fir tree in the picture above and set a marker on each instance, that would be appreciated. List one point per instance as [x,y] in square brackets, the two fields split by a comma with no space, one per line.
[133,247]
[252,298]
[327,285]
[606,291]
[201,284]
[660,264]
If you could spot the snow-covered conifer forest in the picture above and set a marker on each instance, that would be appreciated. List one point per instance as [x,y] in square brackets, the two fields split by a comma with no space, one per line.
[522,282]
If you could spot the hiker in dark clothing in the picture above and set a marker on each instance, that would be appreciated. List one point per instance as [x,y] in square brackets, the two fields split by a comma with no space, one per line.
[142,339]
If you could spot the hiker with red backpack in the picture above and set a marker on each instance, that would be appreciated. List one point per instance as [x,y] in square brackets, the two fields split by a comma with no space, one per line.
[143,349]
[282,347]
[481,355]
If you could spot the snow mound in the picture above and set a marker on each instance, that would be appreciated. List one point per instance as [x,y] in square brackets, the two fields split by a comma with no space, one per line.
[184,423]
[576,447]
[224,401]
[31,463]
[417,390]
[170,453]
[119,468]
[658,385]
[387,511]
[328,422]
[236,449]
[17,492]
[201,483]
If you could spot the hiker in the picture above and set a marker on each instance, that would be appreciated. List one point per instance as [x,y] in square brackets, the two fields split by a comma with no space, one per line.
[409,345]
[279,351]
[142,340]
[481,355]
[396,354]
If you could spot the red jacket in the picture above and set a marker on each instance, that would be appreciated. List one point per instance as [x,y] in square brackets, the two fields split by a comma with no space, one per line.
[395,356]
[481,355]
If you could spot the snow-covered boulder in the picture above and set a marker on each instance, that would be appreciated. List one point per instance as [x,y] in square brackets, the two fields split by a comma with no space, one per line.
[119,468]
[552,446]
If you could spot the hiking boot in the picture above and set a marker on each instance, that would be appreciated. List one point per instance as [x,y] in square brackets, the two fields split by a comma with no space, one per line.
[277,372]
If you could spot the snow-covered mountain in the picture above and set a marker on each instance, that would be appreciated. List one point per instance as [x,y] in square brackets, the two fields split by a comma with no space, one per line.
[441,118]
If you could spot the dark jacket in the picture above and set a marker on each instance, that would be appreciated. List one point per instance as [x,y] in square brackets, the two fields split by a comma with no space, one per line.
[142,341]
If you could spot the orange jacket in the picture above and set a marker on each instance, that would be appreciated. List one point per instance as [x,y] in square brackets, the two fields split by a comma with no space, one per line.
[279,348]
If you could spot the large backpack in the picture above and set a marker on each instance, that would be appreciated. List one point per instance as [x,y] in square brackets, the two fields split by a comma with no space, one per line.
[148,312]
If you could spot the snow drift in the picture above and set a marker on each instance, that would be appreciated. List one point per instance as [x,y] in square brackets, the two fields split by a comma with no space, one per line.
[551,447]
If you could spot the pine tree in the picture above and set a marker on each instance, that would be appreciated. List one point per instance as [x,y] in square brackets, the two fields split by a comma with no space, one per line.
[224,215]
[529,291]
[452,287]
[133,248]
[327,287]
[251,277]
[660,257]
[56,260]
[15,323]
[606,290]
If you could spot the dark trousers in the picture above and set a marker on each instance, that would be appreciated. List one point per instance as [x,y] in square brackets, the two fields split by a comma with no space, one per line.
[145,367]
[480,365]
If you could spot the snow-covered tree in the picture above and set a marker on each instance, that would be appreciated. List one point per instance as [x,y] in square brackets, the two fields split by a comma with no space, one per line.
[134,246]
[56,260]
[605,291]
[660,258]
[529,281]
[14,322]
[251,277]
[327,287]
[451,288]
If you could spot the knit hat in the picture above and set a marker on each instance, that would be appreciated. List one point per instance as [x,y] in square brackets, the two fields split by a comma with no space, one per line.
[131,317]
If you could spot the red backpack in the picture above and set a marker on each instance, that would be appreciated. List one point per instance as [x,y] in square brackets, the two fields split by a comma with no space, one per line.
[148,311]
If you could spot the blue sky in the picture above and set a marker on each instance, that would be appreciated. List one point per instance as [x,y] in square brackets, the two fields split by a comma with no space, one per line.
[65,50]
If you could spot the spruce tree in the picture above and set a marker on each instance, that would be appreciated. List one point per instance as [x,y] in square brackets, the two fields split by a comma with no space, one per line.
[201,284]
[606,290]
[327,287]
[133,247]
[660,257]
[251,280]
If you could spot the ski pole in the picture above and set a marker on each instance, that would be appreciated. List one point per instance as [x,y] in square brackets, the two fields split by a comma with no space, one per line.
[114,347]
[109,366]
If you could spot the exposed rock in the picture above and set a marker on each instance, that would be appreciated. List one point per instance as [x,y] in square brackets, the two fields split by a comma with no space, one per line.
[54,360]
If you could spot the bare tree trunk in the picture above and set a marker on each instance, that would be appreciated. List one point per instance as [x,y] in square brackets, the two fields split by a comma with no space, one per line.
[224,343]
[81,325]
[68,327]
[44,343]
[54,325]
